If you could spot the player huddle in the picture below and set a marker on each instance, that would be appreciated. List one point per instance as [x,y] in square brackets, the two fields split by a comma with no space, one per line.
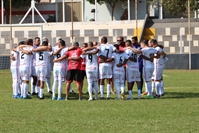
[123,62]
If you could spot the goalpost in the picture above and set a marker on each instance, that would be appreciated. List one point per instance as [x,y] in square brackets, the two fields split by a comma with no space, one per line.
[12,34]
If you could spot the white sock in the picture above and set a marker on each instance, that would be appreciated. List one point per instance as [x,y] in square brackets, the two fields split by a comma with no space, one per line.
[146,89]
[139,91]
[122,87]
[59,89]
[108,90]
[23,90]
[71,89]
[48,84]
[130,93]
[95,84]
[157,87]
[19,88]
[153,86]
[117,89]
[37,89]
[90,90]
[101,90]
[162,87]
[15,89]
[41,93]
[149,88]
[32,88]
[54,87]
[25,93]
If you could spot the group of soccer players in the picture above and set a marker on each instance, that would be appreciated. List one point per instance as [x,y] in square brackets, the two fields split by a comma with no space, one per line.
[123,62]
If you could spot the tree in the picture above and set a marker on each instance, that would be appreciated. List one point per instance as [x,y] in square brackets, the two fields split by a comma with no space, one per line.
[177,6]
[15,4]
[111,3]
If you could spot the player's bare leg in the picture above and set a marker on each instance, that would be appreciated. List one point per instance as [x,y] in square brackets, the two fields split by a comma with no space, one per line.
[67,89]
[112,86]
[79,88]
[34,89]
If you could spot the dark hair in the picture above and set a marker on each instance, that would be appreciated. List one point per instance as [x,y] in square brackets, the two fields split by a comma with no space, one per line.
[145,42]
[104,39]
[117,46]
[62,42]
[22,43]
[121,37]
[135,38]
[29,41]
[90,44]
[86,44]
[153,41]
[44,43]
[37,38]
[128,41]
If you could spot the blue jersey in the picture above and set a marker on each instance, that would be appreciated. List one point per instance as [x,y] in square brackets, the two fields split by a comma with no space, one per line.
[140,61]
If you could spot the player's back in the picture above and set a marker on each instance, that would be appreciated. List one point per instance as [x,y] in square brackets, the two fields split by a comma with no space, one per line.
[25,59]
[148,52]
[106,50]
[61,53]
[119,58]
[42,58]
[131,64]
[91,60]
[159,62]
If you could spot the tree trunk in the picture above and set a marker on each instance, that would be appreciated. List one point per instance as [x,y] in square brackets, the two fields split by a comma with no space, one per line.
[112,13]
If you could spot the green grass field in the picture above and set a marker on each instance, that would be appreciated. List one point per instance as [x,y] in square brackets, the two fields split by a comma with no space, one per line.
[176,112]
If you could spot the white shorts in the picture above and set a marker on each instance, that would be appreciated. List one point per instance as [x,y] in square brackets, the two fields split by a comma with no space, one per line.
[59,73]
[157,73]
[105,72]
[118,78]
[92,76]
[25,73]
[132,75]
[33,73]
[15,75]
[148,73]
[41,73]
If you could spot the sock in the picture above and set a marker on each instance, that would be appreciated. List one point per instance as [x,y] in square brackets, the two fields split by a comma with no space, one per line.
[41,93]
[14,88]
[26,89]
[54,87]
[95,84]
[32,88]
[59,89]
[139,91]
[23,90]
[117,89]
[130,93]
[19,88]
[101,90]
[37,89]
[162,87]
[48,84]
[71,90]
[108,90]
[153,86]
[90,90]
[149,88]
[157,87]
[122,87]
[146,89]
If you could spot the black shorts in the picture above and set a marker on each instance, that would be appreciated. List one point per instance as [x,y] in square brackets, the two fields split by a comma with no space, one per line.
[74,75]
[83,74]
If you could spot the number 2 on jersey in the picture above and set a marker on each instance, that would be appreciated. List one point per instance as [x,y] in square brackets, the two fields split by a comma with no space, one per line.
[22,55]
[90,57]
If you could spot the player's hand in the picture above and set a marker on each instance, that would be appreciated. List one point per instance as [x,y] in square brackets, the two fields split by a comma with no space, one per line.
[54,60]
[12,58]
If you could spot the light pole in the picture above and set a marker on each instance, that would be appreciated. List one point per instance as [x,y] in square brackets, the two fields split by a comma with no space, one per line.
[189,32]
[72,19]
[10,24]
[2,15]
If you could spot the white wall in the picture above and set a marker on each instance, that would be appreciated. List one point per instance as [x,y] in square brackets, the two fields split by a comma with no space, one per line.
[104,11]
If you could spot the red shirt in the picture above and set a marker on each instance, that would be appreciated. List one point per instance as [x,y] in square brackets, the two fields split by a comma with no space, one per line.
[74,64]
[122,48]
[83,65]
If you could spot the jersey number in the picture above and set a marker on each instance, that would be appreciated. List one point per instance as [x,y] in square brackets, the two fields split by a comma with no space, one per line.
[41,56]
[120,60]
[58,56]
[22,55]
[107,52]
[90,57]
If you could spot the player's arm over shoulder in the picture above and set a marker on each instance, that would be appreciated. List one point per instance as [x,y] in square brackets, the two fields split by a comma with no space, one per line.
[21,48]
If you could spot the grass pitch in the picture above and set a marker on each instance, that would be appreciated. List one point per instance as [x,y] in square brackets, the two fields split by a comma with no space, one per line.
[177,111]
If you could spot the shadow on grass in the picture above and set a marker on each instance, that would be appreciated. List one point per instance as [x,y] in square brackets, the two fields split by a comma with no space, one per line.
[181,95]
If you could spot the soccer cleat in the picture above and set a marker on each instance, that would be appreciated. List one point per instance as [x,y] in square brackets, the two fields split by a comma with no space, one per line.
[54,98]
[162,94]
[60,98]
[16,96]
[157,96]
[101,98]
[96,98]
[72,92]
[80,99]
[90,99]
[50,92]
[123,96]
[41,98]
[33,93]
[144,93]
[66,99]
[108,98]
[129,98]
[149,97]
[21,97]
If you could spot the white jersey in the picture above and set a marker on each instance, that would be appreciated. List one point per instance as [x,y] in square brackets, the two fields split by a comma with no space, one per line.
[119,59]
[147,52]
[34,56]
[131,65]
[106,50]
[61,53]
[159,62]
[15,63]
[25,59]
[91,61]
[42,58]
